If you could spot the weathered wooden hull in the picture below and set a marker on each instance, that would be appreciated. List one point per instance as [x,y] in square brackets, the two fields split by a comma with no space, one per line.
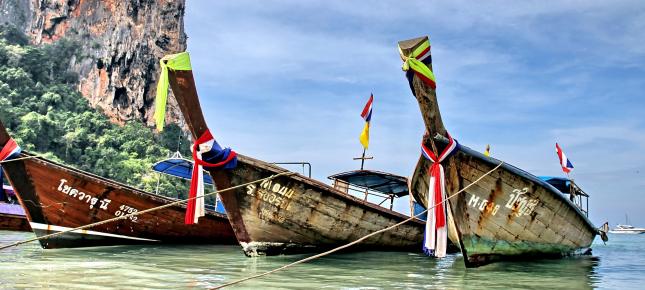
[58,198]
[297,214]
[292,213]
[509,214]
[10,222]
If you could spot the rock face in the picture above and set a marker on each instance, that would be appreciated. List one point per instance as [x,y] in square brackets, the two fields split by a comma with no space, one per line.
[123,41]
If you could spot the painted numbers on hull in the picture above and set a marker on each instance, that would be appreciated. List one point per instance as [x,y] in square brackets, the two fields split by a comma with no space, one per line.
[276,195]
[273,193]
[483,205]
[518,202]
[92,201]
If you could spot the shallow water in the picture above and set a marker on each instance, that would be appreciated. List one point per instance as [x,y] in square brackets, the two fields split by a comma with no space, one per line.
[618,265]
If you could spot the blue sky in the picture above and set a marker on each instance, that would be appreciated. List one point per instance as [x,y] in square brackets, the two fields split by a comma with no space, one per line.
[286,81]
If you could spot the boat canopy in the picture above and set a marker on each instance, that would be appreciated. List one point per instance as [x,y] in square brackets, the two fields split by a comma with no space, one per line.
[382,182]
[563,184]
[178,167]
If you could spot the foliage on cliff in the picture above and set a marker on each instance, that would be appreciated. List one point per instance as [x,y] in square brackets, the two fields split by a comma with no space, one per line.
[42,108]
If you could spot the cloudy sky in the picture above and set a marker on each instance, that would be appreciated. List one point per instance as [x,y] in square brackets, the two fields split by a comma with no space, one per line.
[286,81]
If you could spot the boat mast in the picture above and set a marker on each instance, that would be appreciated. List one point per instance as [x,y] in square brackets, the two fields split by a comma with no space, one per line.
[362,158]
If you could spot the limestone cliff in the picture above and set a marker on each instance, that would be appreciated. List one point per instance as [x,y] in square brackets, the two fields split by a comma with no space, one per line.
[123,41]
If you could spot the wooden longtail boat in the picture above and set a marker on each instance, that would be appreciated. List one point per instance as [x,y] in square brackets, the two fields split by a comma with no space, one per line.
[509,214]
[57,198]
[292,213]
[12,218]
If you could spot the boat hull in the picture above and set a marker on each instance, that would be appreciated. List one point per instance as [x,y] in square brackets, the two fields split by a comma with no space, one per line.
[294,214]
[628,232]
[57,198]
[509,214]
[11,222]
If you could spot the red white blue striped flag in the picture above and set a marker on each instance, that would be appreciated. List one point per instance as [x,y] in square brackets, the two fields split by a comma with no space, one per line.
[367,111]
[564,161]
[366,114]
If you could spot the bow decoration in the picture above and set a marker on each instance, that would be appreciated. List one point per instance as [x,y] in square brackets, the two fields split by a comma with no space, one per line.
[435,239]
[207,153]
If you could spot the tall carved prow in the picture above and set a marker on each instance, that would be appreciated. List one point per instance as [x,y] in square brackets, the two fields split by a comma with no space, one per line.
[417,59]
[182,83]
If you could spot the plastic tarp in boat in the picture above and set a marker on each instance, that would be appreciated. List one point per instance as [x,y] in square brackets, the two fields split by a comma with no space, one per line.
[383,182]
[179,167]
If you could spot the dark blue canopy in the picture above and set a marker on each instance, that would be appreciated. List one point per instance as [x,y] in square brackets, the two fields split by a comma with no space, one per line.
[560,183]
[179,167]
[375,180]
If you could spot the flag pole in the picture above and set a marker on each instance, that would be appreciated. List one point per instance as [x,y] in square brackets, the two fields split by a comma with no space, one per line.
[363,158]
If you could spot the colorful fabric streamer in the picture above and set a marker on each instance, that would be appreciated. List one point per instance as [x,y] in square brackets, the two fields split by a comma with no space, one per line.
[179,61]
[207,153]
[10,150]
[417,63]
[435,241]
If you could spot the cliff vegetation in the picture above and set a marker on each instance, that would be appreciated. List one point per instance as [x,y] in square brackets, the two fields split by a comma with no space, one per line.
[46,114]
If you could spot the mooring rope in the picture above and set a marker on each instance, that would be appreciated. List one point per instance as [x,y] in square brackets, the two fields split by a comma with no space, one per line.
[20,158]
[140,212]
[356,241]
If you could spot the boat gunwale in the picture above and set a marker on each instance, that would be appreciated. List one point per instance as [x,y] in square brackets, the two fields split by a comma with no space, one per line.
[108,182]
[324,187]
[526,175]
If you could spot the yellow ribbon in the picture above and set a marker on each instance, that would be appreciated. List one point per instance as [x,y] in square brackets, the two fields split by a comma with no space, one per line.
[179,61]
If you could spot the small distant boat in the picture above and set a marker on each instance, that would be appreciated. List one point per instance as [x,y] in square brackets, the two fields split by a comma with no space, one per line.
[294,213]
[509,214]
[627,229]
[58,198]
[12,216]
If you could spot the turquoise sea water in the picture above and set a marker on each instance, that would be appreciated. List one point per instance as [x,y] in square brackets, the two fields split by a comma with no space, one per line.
[618,265]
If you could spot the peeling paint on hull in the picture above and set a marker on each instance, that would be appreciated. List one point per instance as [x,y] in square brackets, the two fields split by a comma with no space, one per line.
[294,214]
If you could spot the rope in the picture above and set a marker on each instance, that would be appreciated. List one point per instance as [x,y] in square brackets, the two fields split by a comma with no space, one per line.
[21,158]
[140,212]
[359,240]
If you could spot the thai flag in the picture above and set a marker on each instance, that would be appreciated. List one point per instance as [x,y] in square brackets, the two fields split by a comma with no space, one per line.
[10,150]
[367,111]
[564,161]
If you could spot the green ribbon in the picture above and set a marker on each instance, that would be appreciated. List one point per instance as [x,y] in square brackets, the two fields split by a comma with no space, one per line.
[411,61]
[179,61]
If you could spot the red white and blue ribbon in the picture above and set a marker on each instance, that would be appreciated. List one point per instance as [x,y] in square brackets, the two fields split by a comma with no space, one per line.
[435,240]
[564,161]
[10,150]
[205,147]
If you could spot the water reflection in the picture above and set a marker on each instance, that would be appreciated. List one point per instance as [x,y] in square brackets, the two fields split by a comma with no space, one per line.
[208,266]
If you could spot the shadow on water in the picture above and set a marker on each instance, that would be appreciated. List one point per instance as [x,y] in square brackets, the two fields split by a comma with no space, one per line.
[615,265]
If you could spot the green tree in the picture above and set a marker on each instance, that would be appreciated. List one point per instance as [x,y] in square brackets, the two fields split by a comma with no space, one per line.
[45,113]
